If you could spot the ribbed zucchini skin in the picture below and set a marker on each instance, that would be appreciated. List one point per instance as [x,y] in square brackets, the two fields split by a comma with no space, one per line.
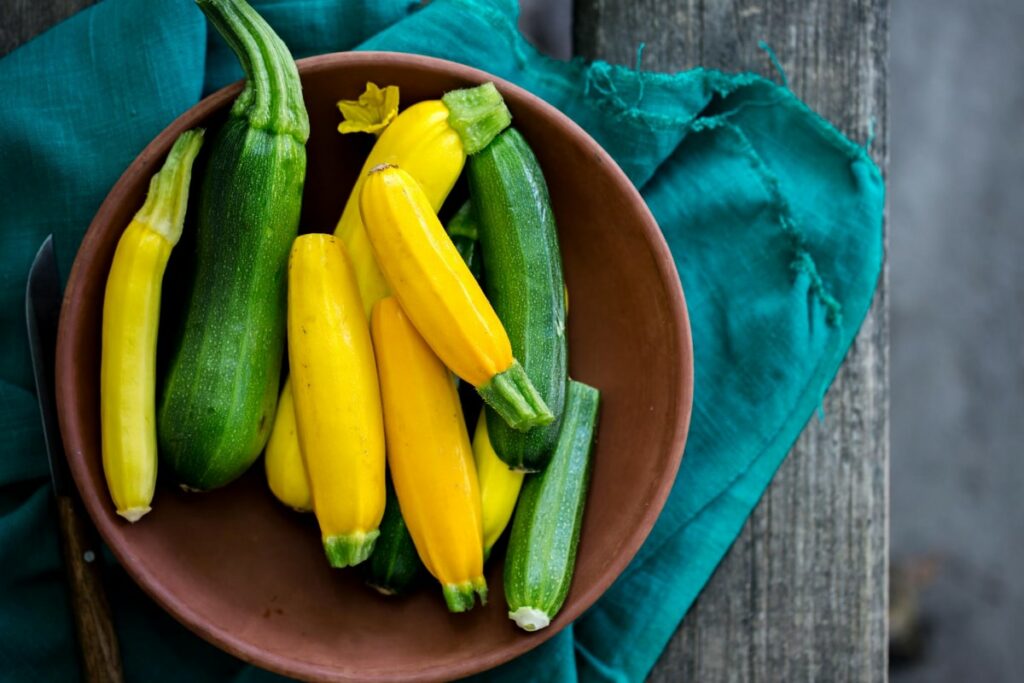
[394,568]
[546,528]
[221,390]
[219,395]
[523,280]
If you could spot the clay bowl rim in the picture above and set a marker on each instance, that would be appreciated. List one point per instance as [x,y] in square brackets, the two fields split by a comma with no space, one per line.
[71,328]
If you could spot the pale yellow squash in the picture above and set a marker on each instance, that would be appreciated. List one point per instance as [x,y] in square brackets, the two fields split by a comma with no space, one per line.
[499,486]
[286,474]
[337,398]
[131,316]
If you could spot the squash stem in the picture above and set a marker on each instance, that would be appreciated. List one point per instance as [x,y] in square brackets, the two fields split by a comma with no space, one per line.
[477,115]
[460,597]
[167,199]
[516,400]
[349,550]
[272,98]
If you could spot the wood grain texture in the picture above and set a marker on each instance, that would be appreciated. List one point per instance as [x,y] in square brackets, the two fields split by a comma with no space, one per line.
[22,20]
[100,654]
[802,595]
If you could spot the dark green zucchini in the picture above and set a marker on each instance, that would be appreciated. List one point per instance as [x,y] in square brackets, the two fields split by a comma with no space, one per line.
[220,392]
[394,568]
[541,552]
[462,228]
[523,280]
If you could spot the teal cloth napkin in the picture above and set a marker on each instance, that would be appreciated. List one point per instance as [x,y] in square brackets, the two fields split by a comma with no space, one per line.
[774,219]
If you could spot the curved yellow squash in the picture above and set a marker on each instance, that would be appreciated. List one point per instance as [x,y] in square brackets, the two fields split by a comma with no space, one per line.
[131,316]
[337,398]
[286,473]
[430,140]
[430,457]
[499,486]
[421,141]
[441,296]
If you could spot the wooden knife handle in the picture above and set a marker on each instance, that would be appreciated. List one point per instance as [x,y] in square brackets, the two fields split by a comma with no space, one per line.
[97,640]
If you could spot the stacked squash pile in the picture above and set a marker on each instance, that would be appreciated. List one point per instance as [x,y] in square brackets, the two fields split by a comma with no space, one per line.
[381,320]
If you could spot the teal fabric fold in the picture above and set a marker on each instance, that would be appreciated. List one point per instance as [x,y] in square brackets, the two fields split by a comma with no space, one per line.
[773,217]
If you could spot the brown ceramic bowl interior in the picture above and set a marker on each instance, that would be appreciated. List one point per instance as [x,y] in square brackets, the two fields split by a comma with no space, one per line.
[249,575]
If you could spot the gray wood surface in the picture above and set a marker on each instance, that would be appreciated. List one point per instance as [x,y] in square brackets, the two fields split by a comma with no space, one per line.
[21,20]
[802,595]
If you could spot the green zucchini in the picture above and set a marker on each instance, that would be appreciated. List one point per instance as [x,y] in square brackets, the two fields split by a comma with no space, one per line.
[462,228]
[523,280]
[220,391]
[394,567]
[546,528]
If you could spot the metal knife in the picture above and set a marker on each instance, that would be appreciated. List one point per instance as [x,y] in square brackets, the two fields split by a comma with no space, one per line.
[97,641]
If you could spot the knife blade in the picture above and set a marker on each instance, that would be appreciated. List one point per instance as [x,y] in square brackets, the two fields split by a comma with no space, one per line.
[97,641]
[42,312]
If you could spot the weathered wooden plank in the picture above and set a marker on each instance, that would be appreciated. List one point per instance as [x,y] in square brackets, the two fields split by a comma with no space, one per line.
[802,595]
[21,20]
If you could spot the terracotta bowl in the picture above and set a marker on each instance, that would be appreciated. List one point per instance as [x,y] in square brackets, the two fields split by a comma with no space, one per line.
[249,575]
